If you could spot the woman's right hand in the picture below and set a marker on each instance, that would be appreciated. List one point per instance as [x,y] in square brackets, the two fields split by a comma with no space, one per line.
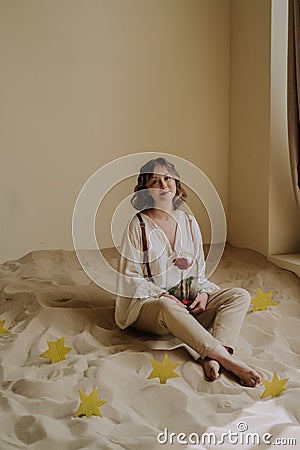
[172,297]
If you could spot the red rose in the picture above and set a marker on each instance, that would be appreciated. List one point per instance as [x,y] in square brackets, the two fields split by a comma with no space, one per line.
[182,263]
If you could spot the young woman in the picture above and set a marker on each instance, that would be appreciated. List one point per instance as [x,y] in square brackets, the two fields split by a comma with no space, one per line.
[155,238]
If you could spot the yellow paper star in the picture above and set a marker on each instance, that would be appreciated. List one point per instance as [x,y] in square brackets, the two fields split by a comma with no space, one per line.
[2,329]
[57,350]
[164,370]
[89,404]
[274,387]
[262,300]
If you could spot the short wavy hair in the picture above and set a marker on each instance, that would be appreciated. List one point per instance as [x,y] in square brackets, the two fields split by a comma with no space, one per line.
[142,199]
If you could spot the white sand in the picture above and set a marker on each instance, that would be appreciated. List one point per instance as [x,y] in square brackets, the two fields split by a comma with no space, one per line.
[46,295]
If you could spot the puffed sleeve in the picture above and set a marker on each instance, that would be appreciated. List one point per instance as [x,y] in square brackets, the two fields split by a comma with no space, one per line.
[133,288]
[204,285]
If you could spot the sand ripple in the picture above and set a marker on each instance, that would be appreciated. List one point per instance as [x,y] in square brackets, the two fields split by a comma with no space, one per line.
[45,295]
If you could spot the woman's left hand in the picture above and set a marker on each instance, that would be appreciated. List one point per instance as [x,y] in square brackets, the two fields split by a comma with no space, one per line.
[199,304]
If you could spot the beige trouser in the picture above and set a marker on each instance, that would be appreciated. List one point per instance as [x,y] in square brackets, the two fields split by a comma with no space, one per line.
[223,317]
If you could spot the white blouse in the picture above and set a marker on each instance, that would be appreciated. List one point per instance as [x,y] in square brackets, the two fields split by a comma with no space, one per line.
[133,286]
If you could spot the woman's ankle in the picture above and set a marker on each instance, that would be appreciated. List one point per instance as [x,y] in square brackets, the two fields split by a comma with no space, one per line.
[219,352]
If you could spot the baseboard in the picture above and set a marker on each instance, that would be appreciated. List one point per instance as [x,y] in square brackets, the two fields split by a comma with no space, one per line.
[287,261]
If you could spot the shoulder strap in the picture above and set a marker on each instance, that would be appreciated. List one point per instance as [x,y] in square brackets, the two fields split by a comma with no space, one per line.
[145,246]
[191,225]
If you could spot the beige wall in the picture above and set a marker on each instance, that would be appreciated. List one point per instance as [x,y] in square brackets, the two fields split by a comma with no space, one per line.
[84,82]
[249,123]
[262,211]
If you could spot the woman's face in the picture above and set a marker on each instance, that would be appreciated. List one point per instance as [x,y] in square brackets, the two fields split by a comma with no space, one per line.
[162,186]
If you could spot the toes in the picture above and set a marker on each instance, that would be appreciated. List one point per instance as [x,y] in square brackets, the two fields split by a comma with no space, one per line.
[215,374]
[213,377]
[211,369]
[248,383]
[256,377]
[252,382]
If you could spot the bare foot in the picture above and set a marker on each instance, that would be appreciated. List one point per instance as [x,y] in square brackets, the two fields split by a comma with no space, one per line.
[249,377]
[211,368]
